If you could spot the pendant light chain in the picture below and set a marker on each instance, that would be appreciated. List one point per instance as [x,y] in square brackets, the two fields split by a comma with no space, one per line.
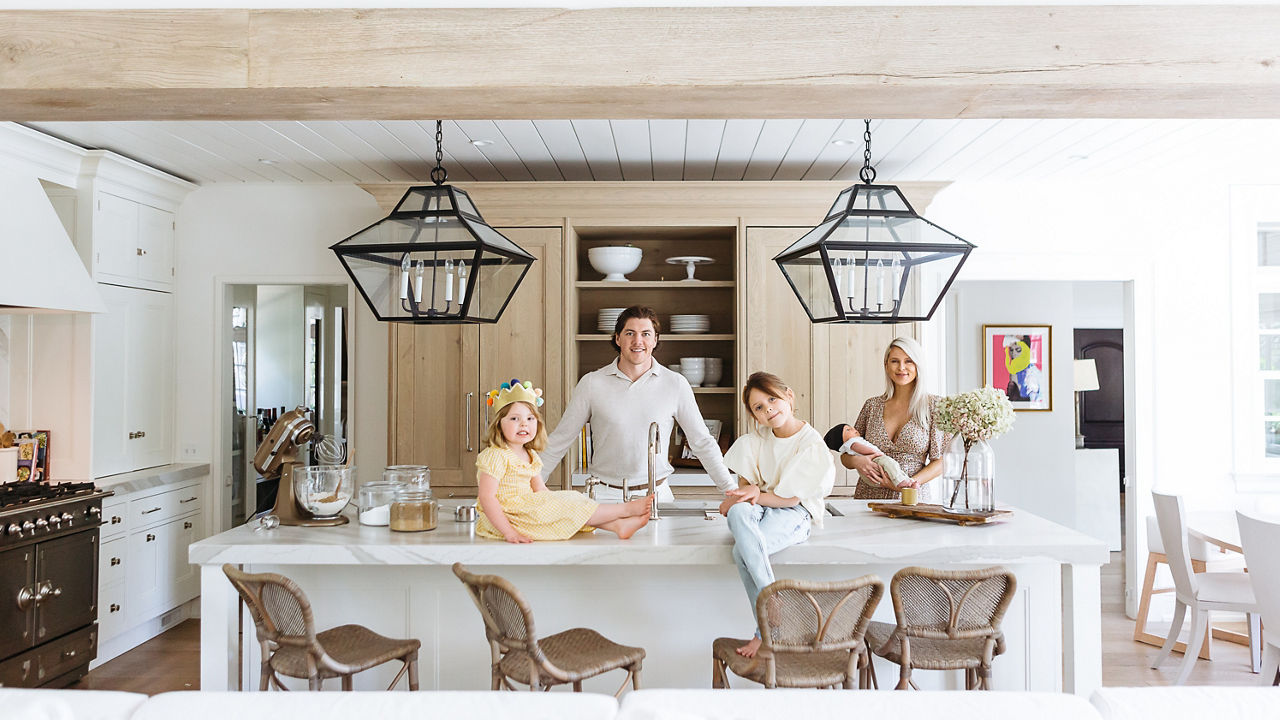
[438,173]
[867,173]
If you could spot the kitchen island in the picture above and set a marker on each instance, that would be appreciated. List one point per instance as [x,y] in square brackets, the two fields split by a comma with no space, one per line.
[671,589]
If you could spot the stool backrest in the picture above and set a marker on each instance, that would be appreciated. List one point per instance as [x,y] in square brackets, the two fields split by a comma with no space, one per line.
[1172,519]
[1259,539]
[279,608]
[797,616]
[508,620]
[951,603]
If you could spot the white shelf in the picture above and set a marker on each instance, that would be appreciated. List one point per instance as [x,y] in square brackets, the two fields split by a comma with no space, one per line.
[663,284]
[666,337]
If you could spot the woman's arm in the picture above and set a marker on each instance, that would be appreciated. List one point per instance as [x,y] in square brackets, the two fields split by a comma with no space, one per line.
[493,509]
[929,472]
[866,466]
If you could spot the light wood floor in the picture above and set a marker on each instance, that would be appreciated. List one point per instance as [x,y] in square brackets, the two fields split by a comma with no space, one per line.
[172,660]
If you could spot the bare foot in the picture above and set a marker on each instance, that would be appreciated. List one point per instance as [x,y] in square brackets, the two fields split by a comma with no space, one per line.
[638,506]
[749,650]
[627,526]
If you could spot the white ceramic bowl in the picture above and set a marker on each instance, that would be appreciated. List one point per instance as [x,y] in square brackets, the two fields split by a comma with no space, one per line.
[714,371]
[615,261]
[695,375]
[693,362]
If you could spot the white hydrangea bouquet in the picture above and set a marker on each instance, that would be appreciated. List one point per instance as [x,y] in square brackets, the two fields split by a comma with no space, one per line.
[973,417]
[976,415]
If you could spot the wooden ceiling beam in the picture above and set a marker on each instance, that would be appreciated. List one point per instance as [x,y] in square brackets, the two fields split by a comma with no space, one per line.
[759,62]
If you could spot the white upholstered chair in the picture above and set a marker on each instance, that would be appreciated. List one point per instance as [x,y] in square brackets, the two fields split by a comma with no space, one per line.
[1200,593]
[1259,539]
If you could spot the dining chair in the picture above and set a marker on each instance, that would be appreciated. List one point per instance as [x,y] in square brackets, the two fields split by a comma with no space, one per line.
[1201,593]
[1259,539]
[812,636]
[1203,559]
[947,620]
[292,647]
[518,654]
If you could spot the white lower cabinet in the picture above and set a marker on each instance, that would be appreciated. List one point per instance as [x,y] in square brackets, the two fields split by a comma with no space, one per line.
[143,568]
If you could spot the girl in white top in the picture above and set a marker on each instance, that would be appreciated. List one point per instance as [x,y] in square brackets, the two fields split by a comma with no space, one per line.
[784,473]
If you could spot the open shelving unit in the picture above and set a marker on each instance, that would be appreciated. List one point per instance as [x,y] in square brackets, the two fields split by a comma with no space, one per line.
[662,286]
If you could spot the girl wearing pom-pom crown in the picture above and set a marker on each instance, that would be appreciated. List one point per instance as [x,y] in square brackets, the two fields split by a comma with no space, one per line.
[515,504]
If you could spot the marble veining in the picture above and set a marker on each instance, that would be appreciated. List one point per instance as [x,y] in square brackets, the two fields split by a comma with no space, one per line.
[860,537]
[156,477]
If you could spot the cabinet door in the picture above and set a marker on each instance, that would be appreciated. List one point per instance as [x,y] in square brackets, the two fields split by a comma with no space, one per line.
[779,335]
[115,232]
[68,567]
[17,570]
[527,341]
[434,402]
[147,573]
[185,577]
[111,342]
[155,242]
[149,400]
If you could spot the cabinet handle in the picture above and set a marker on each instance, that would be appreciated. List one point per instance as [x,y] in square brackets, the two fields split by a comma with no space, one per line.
[115,561]
[69,654]
[150,537]
[139,252]
[115,607]
[186,526]
[190,499]
[148,512]
[116,519]
[467,423]
[142,433]
[133,436]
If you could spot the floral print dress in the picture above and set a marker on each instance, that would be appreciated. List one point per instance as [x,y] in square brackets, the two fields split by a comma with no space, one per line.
[914,447]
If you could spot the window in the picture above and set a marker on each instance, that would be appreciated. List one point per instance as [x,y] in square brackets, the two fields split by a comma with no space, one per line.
[1255,318]
[240,358]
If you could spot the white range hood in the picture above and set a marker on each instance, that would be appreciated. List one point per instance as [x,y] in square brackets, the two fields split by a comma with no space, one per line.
[40,271]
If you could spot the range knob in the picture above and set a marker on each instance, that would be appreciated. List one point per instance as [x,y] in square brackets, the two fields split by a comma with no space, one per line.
[55,521]
[93,511]
[68,518]
[42,523]
[13,529]
[28,526]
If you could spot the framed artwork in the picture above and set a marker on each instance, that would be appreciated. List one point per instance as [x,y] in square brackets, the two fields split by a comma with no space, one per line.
[1016,360]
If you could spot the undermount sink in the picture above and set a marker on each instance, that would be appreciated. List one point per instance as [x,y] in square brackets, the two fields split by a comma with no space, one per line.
[708,509]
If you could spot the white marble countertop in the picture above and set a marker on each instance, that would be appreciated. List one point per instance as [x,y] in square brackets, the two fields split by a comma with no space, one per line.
[155,477]
[860,537]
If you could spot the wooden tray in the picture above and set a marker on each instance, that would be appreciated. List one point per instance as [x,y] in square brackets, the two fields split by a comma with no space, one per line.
[937,512]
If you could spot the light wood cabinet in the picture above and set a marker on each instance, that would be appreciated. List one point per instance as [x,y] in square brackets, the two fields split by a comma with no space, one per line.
[440,373]
[133,370]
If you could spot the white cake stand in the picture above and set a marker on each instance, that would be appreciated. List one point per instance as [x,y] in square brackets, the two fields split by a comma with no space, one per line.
[690,262]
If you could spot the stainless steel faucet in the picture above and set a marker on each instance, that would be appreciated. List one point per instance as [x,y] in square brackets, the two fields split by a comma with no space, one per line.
[653,464]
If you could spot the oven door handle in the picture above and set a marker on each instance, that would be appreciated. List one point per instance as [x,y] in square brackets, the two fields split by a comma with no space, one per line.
[26,598]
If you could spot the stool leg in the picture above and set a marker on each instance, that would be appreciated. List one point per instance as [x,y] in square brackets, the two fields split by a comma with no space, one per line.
[346,682]
[1144,603]
[413,673]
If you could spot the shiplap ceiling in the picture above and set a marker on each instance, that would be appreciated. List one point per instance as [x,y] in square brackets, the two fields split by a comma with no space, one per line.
[645,150]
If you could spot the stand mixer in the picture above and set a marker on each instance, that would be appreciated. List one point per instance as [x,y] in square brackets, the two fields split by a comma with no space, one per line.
[276,458]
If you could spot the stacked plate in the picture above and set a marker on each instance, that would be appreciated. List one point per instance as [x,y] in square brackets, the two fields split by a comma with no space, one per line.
[606,318]
[690,323]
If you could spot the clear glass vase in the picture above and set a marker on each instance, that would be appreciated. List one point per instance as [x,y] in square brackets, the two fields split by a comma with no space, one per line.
[968,476]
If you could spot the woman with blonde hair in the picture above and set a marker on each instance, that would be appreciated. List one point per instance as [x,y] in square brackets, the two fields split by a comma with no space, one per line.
[902,424]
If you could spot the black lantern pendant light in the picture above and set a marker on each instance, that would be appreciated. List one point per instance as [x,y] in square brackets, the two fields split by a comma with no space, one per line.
[873,259]
[434,260]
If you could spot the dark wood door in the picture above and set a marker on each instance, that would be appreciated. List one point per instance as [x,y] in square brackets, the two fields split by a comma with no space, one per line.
[1102,410]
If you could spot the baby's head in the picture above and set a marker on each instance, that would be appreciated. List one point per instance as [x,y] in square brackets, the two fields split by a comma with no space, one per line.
[838,435]
[516,420]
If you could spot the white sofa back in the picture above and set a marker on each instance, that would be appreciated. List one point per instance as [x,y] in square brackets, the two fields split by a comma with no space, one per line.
[354,705]
[1187,703]
[922,705]
[68,704]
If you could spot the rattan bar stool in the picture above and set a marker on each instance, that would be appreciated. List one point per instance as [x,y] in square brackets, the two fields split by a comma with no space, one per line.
[517,654]
[811,635]
[292,647]
[947,620]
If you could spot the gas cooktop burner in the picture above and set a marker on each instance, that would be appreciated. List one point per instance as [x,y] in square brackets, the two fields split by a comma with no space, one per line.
[27,493]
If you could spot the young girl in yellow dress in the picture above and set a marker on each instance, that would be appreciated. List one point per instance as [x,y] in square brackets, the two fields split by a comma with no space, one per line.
[515,504]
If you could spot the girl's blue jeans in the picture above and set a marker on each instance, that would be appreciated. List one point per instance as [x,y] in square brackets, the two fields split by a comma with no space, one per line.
[759,532]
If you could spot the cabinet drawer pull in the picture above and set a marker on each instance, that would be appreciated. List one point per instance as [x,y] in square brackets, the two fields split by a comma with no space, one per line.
[133,436]
[190,499]
[142,433]
[139,252]
[150,537]
[186,526]
[116,519]
[115,607]
[115,561]
[69,654]
[148,512]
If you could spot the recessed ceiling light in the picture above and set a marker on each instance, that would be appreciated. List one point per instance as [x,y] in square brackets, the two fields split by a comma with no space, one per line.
[268,161]
[482,143]
[843,141]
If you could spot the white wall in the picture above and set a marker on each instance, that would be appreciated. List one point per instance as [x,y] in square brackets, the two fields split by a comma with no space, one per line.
[4,370]
[265,234]
[1098,305]
[279,336]
[1035,464]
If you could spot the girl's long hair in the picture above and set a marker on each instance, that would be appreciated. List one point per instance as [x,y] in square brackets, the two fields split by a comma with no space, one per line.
[919,405]
[767,383]
[493,436]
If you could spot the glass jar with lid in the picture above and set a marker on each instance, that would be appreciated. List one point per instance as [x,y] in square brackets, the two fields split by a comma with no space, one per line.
[374,502]
[418,475]
[413,510]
